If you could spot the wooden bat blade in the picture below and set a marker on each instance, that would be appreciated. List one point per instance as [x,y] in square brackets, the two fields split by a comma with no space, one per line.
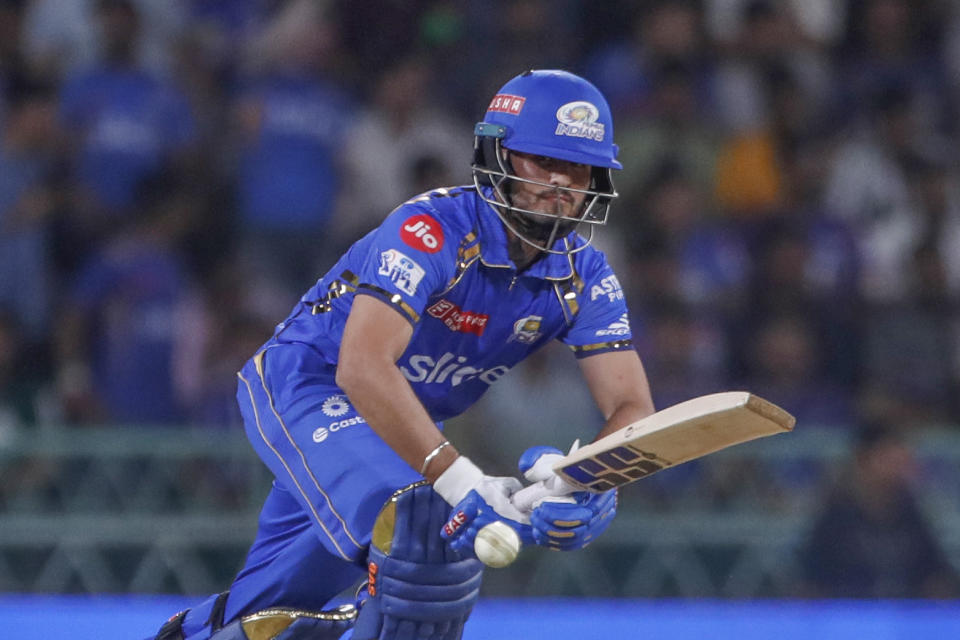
[672,436]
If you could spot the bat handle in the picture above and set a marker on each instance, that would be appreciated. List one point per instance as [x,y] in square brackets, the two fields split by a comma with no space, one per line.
[527,498]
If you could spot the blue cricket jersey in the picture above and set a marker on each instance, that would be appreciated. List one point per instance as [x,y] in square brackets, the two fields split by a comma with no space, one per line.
[441,260]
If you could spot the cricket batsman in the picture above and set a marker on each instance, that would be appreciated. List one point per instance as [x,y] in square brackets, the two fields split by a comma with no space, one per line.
[345,402]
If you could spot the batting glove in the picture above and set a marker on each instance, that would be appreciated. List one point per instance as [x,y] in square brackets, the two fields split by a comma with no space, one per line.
[477,501]
[561,517]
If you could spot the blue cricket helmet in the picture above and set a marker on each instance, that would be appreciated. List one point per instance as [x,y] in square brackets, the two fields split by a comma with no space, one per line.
[557,114]
[551,113]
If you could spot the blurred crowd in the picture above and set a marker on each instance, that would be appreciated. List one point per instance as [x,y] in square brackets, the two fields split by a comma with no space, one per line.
[175,173]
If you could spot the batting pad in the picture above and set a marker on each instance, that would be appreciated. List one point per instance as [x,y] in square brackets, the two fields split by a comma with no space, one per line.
[419,588]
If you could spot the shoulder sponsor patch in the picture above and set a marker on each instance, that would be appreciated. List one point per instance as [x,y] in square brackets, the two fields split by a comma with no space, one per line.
[423,233]
[403,272]
[619,328]
[609,287]
[456,319]
[506,103]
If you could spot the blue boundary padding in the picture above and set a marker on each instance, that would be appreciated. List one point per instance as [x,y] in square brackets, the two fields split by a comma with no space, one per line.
[41,617]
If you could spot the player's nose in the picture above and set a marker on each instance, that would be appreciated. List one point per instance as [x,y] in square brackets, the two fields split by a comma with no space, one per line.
[560,176]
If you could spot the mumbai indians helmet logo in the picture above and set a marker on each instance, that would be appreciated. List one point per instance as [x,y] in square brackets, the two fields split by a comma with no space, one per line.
[579,120]
[527,330]
[335,406]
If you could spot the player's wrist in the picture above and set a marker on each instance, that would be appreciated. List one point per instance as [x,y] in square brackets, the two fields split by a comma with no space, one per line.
[439,461]
[457,480]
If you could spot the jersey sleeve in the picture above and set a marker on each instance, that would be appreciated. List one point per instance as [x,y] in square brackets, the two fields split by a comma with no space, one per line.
[601,323]
[408,257]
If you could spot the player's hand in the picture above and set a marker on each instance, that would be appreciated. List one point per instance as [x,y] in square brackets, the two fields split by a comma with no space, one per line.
[478,500]
[561,517]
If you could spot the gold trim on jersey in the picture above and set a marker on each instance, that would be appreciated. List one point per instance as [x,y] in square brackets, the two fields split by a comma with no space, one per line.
[467,253]
[616,344]
[395,299]
[568,290]
[346,283]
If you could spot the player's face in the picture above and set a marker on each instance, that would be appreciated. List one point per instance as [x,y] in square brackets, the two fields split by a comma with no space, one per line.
[552,173]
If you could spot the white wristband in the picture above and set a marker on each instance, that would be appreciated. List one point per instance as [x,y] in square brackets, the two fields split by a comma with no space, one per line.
[458,480]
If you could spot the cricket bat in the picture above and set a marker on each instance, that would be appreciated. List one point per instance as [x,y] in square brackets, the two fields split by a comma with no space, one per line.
[671,436]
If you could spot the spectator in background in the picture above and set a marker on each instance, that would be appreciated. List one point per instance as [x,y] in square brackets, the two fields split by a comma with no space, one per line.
[685,351]
[405,121]
[682,251]
[869,187]
[12,60]
[495,35]
[119,325]
[212,344]
[751,181]
[765,35]
[894,43]
[124,122]
[291,125]
[20,377]
[675,126]
[687,280]
[63,37]
[805,265]
[28,174]
[663,34]
[908,369]
[871,538]
[783,363]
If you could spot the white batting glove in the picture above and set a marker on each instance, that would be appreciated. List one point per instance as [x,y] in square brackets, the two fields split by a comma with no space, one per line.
[478,500]
[537,467]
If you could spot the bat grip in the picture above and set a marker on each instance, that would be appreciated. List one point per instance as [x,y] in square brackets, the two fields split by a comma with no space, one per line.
[527,498]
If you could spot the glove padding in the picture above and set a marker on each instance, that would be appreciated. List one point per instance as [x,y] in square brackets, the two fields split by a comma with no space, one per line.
[477,501]
[561,517]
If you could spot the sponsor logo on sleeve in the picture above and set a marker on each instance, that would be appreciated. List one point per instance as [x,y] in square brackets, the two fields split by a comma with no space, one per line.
[609,287]
[456,319]
[619,328]
[423,233]
[403,272]
[527,330]
[506,103]
[579,120]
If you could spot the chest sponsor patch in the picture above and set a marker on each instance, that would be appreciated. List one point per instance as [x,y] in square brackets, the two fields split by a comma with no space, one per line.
[456,319]
[423,233]
[403,272]
[448,369]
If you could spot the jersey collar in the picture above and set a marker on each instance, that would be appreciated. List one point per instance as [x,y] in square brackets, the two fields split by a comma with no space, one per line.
[493,248]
